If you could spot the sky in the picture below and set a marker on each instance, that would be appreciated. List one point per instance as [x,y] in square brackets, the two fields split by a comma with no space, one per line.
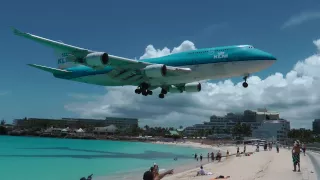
[290,30]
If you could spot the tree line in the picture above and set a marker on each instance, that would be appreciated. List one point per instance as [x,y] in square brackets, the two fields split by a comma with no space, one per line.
[303,135]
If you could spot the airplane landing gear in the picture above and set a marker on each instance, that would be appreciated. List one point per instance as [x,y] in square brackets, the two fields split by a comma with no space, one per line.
[163,92]
[143,89]
[161,96]
[245,84]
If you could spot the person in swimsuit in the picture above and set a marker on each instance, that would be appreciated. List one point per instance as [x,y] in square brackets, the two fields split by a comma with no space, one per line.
[296,156]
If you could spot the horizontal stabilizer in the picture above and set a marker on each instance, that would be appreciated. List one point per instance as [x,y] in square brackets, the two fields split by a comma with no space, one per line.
[49,69]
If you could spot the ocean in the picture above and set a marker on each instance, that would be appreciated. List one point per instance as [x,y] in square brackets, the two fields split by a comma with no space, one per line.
[34,158]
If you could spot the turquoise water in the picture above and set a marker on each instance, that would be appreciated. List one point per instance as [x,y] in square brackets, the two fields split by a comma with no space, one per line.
[30,158]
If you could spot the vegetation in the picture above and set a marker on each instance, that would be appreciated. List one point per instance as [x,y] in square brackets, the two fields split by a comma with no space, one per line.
[303,135]
[3,129]
[157,131]
[241,130]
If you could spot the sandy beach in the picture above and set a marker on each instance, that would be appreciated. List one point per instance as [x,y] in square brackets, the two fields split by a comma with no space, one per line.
[263,165]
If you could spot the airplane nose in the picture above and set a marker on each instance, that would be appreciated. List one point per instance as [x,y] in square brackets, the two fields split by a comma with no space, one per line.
[270,56]
[266,56]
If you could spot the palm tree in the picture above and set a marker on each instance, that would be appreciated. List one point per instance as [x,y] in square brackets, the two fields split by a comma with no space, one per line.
[146,127]
[3,122]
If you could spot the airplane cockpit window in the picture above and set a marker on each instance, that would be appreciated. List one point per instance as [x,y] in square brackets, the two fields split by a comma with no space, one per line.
[246,46]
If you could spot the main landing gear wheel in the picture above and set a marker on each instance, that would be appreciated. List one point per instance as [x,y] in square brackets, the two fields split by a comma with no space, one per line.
[163,92]
[137,91]
[143,89]
[245,84]
[161,96]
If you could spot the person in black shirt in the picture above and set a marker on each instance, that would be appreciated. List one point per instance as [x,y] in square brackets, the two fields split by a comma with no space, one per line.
[148,175]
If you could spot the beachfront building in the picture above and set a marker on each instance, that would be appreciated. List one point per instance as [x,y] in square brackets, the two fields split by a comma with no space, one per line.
[316,126]
[76,123]
[224,124]
[105,130]
[273,130]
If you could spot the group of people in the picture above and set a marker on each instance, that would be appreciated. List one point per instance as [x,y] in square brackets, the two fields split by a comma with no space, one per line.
[210,156]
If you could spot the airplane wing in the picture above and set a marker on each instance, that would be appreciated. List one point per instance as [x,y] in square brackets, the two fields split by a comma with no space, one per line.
[49,69]
[123,68]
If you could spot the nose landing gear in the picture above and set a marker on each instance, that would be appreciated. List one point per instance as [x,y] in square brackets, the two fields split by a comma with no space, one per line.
[245,84]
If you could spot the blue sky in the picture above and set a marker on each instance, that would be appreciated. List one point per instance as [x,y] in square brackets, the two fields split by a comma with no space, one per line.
[124,28]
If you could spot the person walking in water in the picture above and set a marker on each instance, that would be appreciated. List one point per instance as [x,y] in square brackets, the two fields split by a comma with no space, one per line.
[296,156]
[201,157]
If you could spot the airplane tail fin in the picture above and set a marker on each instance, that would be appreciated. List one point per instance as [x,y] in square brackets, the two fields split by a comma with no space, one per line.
[66,54]
[49,69]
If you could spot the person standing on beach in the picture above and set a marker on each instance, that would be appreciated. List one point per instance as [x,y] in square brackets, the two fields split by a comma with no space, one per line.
[296,156]
[304,148]
[212,156]
[238,150]
[277,147]
[208,156]
[200,157]
[244,149]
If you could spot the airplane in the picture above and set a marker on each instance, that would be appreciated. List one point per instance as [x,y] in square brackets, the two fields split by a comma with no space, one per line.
[174,73]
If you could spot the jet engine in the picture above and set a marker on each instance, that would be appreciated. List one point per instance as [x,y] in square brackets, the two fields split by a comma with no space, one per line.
[174,89]
[155,70]
[192,87]
[96,59]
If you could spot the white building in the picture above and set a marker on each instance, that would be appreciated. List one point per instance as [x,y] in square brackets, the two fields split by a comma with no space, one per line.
[105,130]
[276,130]
[227,122]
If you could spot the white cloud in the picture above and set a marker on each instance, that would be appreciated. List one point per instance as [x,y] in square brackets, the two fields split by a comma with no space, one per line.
[295,95]
[151,52]
[301,18]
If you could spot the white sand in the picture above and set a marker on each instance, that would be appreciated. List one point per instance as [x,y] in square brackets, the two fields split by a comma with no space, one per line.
[263,165]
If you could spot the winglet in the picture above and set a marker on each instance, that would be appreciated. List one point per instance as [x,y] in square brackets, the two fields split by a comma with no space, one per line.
[17,32]
[49,69]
